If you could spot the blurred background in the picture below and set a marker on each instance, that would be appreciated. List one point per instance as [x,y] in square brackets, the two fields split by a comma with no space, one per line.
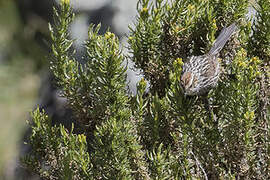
[25,80]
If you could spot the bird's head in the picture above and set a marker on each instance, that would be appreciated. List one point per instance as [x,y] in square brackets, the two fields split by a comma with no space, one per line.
[187,82]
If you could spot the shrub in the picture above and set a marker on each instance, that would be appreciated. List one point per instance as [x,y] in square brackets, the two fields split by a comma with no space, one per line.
[160,134]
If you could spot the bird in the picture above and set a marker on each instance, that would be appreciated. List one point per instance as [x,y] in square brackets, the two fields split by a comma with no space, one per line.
[201,73]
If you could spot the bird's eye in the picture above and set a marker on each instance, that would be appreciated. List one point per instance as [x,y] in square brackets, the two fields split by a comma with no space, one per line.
[183,80]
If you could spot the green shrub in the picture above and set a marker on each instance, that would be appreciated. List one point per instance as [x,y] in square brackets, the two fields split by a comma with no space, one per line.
[160,134]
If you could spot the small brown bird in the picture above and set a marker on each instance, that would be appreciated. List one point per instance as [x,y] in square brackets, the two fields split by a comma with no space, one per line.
[201,73]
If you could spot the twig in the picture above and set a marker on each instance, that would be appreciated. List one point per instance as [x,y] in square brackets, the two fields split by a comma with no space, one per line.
[200,166]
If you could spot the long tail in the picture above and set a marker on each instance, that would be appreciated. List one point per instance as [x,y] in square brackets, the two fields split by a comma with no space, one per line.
[221,40]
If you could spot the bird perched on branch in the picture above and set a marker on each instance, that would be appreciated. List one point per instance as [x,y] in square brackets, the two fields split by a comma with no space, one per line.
[201,73]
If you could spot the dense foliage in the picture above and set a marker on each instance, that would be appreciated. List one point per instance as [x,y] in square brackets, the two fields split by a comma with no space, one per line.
[160,134]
